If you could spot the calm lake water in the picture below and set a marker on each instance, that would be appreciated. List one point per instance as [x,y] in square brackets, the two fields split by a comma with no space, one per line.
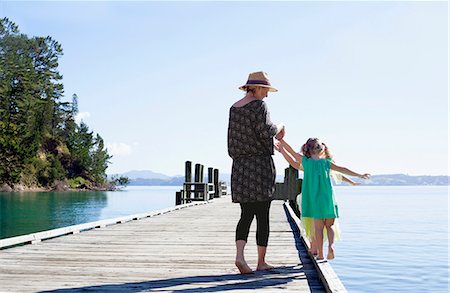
[24,213]
[394,239]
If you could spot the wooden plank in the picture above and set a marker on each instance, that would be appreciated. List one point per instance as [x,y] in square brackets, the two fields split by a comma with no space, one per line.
[39,236]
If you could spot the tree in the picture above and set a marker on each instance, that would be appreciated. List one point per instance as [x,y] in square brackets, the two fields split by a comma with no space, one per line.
[38,132]
[100,160]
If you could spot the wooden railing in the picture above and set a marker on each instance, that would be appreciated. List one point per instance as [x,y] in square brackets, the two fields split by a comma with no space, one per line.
[289,189]
[198,190]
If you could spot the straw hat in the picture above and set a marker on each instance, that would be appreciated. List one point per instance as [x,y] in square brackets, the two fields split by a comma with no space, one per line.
[258,78]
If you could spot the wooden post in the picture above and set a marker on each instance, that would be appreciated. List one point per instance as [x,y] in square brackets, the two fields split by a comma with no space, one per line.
[210,175]
[178,199]
[196,179]
[187,179]
[278,194]
[202,180]
[217,187]
[286,183]
[188,171]
[293,189]
[202,177]
[210,181]
[197,173]
[292,183]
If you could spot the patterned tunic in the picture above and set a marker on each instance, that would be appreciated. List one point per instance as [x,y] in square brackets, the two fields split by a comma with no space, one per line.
[250,145]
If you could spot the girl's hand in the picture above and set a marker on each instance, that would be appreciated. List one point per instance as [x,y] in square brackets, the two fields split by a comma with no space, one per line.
[277,146]
[356,183]
[365,176]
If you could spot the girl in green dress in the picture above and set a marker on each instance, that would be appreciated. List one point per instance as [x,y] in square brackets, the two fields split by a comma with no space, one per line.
[318,200]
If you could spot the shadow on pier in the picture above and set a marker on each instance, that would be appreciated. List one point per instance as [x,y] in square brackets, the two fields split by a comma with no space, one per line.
[228,282]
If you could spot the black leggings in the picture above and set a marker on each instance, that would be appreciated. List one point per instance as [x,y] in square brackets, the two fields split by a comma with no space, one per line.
[248,211]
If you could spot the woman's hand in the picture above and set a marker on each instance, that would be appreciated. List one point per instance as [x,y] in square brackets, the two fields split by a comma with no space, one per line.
[281,132]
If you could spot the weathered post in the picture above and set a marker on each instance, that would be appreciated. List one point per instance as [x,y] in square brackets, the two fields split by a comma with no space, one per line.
[292,183]
[286,183]
[210,175]
[292,189]
[202,180]
[196,179]
[197,173]
[210,182]
[187,179]
[178,199]
[201,176]
[217,187]
[188,172]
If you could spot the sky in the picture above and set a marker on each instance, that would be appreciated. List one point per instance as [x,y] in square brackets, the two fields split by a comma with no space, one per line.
[156,79]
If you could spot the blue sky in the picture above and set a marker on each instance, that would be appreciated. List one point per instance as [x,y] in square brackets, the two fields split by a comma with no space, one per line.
[156,79]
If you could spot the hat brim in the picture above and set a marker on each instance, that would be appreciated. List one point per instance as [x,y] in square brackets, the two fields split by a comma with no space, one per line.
[271,89]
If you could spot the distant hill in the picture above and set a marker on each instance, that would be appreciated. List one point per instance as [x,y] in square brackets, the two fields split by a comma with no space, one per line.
[402,179]
[145,174]
[172,181]
[147,177]
[150,178]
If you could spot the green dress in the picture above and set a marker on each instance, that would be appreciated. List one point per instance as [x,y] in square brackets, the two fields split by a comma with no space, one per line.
[317,192]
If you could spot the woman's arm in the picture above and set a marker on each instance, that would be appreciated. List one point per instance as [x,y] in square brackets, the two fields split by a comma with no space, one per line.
[291,151]
[348,171]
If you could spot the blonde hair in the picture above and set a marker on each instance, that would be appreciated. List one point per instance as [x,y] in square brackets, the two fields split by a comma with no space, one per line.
[250,88]
[314,146]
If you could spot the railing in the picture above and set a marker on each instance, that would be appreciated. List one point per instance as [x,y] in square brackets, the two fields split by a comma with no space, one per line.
[289,189]
[200,190]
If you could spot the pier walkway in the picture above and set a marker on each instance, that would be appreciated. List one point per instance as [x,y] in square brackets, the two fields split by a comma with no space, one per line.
[187,250]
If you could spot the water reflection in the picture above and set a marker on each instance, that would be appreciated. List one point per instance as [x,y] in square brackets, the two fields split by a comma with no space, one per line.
[24,213]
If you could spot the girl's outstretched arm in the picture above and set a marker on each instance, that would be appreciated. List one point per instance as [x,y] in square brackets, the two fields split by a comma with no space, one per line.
[292,161]
[348,171]
[291,151]
[348,180]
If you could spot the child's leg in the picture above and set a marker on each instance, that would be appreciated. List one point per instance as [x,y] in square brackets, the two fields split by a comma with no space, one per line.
[330,231]
[313,239]
[319,225]
[313,249]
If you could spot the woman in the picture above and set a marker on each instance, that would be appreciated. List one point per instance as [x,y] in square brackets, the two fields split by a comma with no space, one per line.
[250,145]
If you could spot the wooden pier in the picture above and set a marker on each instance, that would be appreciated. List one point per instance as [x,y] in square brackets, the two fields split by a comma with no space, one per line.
[187,250]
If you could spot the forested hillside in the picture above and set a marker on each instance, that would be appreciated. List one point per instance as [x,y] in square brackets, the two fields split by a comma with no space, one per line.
[41,145]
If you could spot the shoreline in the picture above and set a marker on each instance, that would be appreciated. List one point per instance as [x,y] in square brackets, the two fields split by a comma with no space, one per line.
[23,189]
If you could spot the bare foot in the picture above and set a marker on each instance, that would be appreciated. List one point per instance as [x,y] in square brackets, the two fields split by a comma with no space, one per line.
[313,252]
[330,253]
[243,267]
[320,257]
[264,267]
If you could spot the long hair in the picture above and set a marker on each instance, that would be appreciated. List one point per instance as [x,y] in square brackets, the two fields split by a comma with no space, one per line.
[314,146]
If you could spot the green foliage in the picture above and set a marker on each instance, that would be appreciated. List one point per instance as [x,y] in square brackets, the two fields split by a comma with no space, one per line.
[122,180]
[79,182]
[40,143]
